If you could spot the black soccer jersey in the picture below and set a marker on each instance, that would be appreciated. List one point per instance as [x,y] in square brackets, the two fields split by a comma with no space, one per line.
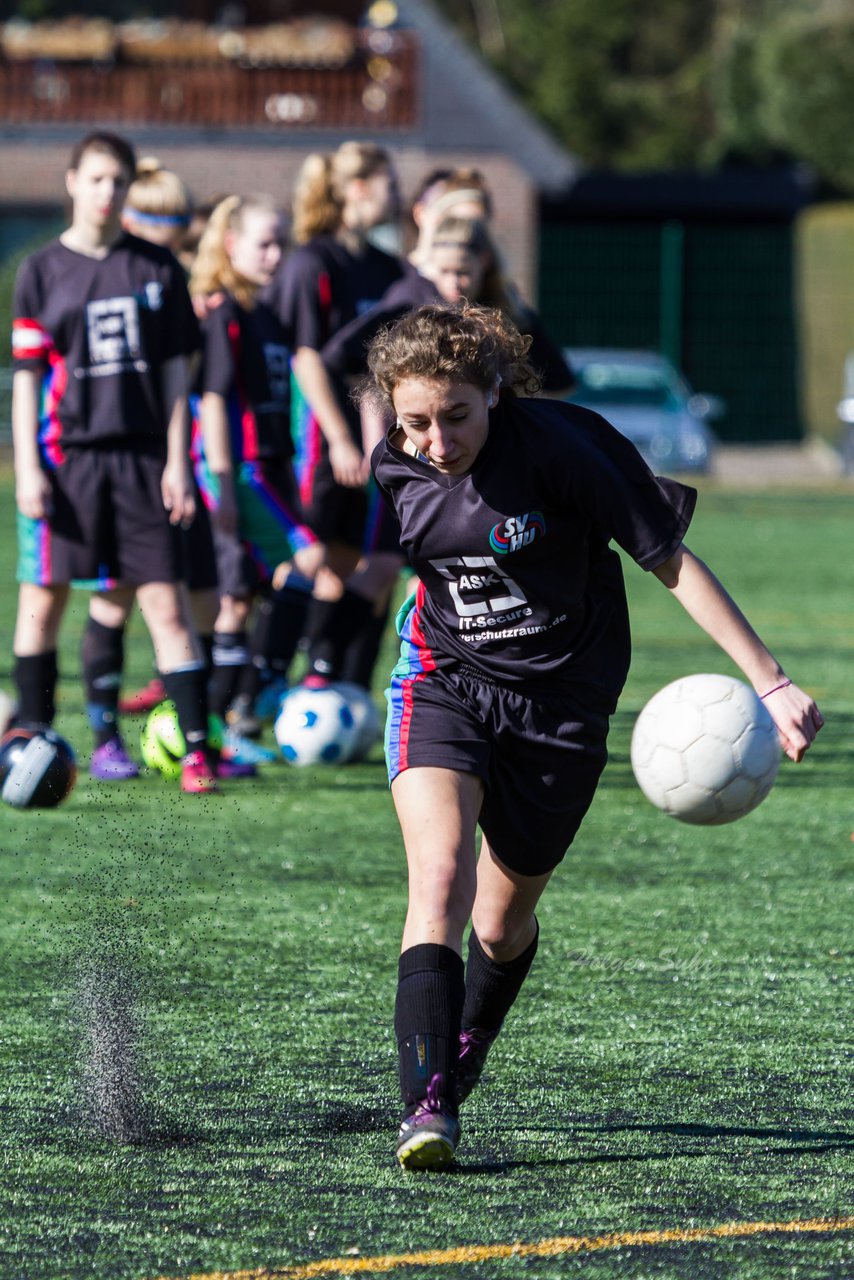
[99,330]
[322,285]
[247,362]
[344,354]
[518,578]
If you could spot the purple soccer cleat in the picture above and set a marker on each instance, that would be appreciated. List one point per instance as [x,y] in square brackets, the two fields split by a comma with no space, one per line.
[111,763]
[428,1138]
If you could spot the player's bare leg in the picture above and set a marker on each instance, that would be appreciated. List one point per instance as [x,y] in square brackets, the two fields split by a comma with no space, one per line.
[181,663]
[102,660]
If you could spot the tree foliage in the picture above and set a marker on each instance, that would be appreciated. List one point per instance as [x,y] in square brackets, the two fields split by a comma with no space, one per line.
[637,84]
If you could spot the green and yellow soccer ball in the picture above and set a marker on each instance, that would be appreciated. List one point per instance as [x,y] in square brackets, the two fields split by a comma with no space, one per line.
[162,742]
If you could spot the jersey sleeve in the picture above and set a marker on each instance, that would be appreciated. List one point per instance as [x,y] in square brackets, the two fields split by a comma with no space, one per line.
[303,299]
[345,354]
[218,370]
[645,514]
[31,343]
[546,357]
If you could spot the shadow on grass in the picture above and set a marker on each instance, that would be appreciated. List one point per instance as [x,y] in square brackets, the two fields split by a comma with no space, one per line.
[796,1142]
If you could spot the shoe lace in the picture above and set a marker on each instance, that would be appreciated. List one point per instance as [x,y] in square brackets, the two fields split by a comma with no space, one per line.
[472,1040]
[433,1101]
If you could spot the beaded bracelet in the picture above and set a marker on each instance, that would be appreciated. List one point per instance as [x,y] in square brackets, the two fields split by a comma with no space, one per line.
[776,689]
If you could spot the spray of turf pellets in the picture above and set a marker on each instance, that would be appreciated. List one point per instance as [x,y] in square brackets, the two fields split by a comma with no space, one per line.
[109,1029]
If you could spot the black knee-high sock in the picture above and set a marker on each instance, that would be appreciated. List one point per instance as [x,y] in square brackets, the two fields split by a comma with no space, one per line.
[35,678]
[207,643]
[187,687]
[491,988]
[361,653]
[427,1015]
[230,657]
[329,628]
[103,659]
[279,627]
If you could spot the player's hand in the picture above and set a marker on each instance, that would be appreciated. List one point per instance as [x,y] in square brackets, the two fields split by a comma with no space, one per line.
[178,497]
[33,494]
[797,718]
[205,303]
[349,465]
[281,573]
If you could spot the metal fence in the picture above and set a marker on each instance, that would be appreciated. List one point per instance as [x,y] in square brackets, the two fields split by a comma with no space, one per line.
[718,299]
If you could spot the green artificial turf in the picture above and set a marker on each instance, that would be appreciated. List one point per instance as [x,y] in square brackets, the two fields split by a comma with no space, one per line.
[681,1055]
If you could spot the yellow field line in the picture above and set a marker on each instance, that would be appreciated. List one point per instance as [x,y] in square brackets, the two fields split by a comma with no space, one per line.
[558,1245]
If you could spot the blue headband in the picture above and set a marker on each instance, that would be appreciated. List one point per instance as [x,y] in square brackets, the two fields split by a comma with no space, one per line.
[158,219]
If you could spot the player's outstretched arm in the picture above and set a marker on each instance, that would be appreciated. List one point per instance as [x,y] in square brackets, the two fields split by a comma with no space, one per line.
[796,716]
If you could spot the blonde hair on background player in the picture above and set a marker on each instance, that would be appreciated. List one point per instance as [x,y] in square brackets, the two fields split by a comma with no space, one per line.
[158,205]
[321,188]
[213,271]
[473,234]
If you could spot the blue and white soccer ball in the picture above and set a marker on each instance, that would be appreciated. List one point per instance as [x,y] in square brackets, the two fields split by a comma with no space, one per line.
[367,718]
[705,749]
[315,726]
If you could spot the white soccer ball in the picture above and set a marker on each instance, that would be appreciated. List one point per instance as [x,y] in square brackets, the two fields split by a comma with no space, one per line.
[705,750]
[366,716]
[315,726]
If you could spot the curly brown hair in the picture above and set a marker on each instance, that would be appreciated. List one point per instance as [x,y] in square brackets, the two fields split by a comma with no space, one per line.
[457,342]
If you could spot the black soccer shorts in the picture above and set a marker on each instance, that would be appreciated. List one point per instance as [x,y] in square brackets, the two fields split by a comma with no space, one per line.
[107,525]
[539,756]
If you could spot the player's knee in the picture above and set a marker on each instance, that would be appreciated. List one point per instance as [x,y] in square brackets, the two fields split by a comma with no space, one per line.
[501,937]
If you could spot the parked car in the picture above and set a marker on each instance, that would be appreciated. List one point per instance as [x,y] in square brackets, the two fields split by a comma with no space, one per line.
[648,400]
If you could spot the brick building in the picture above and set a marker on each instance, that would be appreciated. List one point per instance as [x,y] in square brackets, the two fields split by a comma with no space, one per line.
[237,107]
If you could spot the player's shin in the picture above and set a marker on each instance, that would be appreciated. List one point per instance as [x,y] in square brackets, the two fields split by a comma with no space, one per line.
[35,679]
[491,991]
[427,1016]
[102,653]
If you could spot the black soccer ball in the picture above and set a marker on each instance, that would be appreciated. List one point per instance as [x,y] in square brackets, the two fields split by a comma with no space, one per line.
[37,768]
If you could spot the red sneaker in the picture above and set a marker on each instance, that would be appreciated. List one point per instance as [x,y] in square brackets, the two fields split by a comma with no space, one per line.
[197,776]
[145,699]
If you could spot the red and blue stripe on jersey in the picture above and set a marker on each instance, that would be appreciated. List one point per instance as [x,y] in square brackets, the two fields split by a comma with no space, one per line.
[30,341]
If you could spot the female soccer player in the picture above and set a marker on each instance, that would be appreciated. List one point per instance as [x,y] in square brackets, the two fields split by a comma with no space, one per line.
[244,450]
[333,274]
[157,208]
[102,330]
[514,652]
[460,262]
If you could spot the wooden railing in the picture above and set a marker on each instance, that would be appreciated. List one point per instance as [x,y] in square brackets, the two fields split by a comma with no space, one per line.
[371,93]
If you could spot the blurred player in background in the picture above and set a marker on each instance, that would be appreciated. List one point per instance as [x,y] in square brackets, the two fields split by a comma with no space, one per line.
[514,651]
[460,261]
[102,332]
[158,209]
[242,443]
[333,274]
